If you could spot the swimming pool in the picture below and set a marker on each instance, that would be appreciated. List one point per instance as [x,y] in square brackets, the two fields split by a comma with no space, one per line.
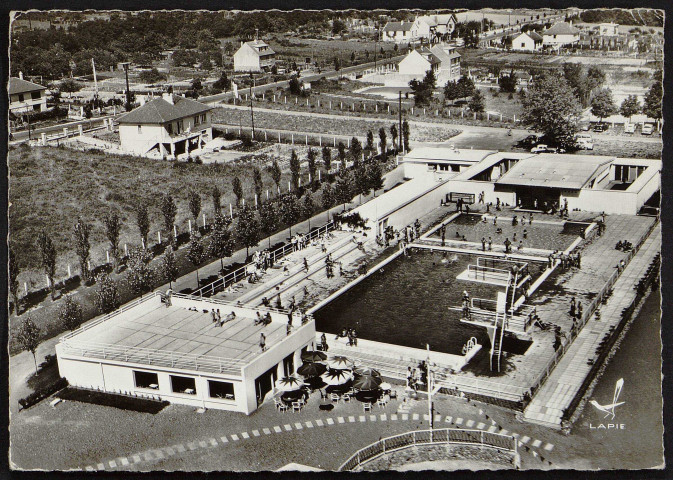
[545,236]
[408,304]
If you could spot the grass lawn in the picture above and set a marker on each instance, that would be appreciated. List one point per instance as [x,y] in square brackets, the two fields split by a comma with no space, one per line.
[497,101]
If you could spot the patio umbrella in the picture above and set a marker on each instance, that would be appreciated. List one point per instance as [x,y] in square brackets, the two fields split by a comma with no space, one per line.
[367,383]
[339,362]
[366,372]
[313,356]
[311,369]
[289,384]
[385,386]
[336,377]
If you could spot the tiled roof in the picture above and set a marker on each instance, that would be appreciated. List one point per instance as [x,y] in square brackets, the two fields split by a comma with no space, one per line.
[257,44]
[397,26]
[17,85]
[443,55]
[561,28]
[534,35]
[160,111]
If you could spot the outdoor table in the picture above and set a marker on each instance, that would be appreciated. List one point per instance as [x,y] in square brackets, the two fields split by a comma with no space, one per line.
[367,395]
[292,396]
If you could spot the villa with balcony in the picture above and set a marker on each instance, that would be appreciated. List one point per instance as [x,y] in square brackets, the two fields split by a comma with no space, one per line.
[26,97]
[169,348]
[166,127]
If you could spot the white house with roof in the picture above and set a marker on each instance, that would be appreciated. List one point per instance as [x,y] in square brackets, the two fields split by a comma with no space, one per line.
[26,97]
[254,56]
[608,29]
[527,42]
[434,27]
[397,32]
[559,35]
[168,126]
[175,352]
[443,60]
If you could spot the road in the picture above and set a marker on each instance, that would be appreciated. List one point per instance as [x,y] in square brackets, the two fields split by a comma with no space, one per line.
[309,78]
[89,123]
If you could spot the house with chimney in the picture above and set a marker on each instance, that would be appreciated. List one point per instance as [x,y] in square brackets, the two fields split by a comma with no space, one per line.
[561,34]
[26,97]
[443,60]
[166,127]
[254,56]
[397,32]
[434,28]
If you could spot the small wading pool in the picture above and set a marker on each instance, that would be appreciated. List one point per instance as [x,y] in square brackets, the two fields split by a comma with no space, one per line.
[539,235]
[408,304]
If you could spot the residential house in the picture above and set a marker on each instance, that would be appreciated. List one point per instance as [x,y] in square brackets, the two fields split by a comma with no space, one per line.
[530,41]
[443,60]
[434,28]
[397,32]
[608,29]
[25,96]
[254,56]
[559,35]
[167,126]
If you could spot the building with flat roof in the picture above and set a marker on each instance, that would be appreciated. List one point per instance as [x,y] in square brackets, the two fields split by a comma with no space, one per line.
[177,353]
[167,126]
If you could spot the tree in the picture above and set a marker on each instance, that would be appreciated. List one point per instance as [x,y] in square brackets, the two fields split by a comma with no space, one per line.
[169,266]
[374,175]
[259,184]
[341,151]
[268,219]
[295,168]
[602,104]
[107,295]
[465,86]
[140,275]
[369,146]
[361,186]
[383,142]
[28,338]
[452,91]
[508,83]
[551,107]
[276,173]
[476,103]
[216,195]
[327,158]
[355,151]
[194,200]
[652,103]
[113,227]
[595,77]
[70,86]
[221,241]
[143,222]
[82,231]
[295,86]
[338,26]
[237,187]
[423,90]
[13,270]
[70,314]
[308,206]
[630,107]
[222,83]
[247,228]
[337,64]
[196,254]
[393,135]
[151,76]
[169,210]
[289,210]
[405,135]
[344,188]
[310,158]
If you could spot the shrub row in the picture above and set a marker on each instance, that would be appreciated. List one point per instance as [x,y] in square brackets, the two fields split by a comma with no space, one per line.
[42,393]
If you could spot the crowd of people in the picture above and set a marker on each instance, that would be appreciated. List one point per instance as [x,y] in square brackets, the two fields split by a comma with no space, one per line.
[417,376]
[217,317]
[349,334]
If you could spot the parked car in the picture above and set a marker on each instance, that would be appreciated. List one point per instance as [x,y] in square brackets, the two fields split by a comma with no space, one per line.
[542,148]
[584,141]
[600,127]
[629,128]
[647,129]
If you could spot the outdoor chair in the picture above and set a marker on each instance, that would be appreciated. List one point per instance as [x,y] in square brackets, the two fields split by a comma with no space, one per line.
[334,397]
[280,405]
[367,406]
[393,394]
[346,397]
[381,402]
[296,406]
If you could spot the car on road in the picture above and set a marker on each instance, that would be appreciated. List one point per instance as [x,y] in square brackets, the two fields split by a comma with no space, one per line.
[629,128]
[600,127]
[647,129]
[542,148]
[584,141]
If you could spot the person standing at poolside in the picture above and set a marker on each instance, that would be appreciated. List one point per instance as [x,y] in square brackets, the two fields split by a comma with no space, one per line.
[262,341]
[443,231]
[483,244]
[305,265]
[490,244]
[495,219]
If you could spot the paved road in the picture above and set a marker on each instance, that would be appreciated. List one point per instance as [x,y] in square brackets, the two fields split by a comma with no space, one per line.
[89,123]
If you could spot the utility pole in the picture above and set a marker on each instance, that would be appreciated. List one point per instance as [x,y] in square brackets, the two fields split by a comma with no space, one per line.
[430,387]
[95,81]
[400,115]
[252,115]
[128,90]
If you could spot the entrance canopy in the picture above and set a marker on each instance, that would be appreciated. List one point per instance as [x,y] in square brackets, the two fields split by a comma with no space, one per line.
[551,170]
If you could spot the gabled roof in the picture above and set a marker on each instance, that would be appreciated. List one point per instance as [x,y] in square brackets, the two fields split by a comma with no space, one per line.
[561,28]
[18,85]
[256,45]
[434,20]
[534,35]
[160,111]
[443,55]
[398,26]
[570,172]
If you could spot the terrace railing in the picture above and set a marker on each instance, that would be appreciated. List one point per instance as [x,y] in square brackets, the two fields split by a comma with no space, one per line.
[240,273]
[454,436]
[477,386]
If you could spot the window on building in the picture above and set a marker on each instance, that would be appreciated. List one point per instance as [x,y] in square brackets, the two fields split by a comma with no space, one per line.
[140,129]
[169,128]
[288,365]
[221,390]
[196,120]
[36,108]
[20,97]
[146,380]
[36,95]
[455,168]
[180,126]
[183,385]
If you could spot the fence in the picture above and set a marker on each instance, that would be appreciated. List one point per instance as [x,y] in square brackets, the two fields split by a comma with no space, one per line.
[450,436]
[488,274]
[239,274]
[289,137]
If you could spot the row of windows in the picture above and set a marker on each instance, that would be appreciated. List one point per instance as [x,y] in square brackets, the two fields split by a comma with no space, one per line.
[185,385]
[33,95]
[443,167]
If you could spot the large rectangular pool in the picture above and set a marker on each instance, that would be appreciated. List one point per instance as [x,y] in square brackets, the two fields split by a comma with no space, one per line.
[407,303]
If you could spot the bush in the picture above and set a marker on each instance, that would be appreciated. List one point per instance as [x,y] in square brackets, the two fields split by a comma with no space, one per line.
[39,395]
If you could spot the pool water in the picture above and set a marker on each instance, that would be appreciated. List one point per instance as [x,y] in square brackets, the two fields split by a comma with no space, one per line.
[407,303]
[539,235]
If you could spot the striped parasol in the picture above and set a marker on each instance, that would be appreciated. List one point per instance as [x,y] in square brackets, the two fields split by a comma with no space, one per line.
[313,356]
[367,383]
[366,372]
[289,384]
[339,362]
[336,377]
[311,369]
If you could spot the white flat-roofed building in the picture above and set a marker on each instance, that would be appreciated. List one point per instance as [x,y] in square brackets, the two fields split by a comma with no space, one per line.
[167,126]
[26,97]
[177,353]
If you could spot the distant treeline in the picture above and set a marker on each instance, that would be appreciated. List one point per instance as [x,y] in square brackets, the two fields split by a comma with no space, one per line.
[636,16]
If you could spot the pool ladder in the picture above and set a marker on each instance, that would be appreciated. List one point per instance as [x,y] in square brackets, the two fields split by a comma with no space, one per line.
[500,323]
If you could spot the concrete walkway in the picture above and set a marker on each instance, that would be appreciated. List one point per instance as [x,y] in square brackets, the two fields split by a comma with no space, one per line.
[565,381]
